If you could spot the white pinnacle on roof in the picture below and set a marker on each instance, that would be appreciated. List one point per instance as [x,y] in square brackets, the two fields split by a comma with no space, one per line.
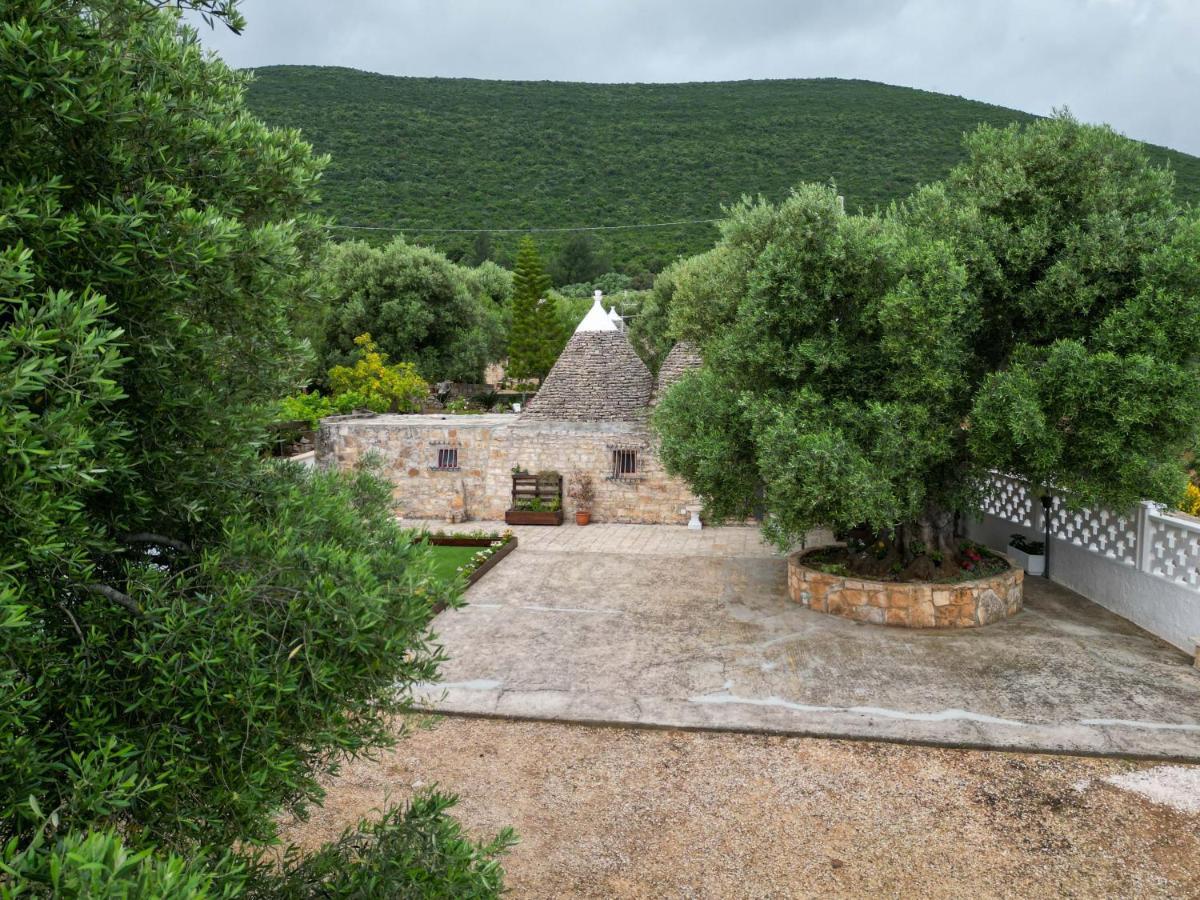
[615,318]
[596,319]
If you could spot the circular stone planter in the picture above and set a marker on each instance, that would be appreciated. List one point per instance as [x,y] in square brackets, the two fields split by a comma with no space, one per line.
[961,604]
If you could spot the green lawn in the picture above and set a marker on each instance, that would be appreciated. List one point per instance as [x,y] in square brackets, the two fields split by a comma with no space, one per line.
[447,559]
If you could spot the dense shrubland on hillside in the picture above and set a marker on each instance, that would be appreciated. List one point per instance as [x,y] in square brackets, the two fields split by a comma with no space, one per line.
[469,154]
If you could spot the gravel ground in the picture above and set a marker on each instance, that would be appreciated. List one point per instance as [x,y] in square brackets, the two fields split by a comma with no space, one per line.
[632,813]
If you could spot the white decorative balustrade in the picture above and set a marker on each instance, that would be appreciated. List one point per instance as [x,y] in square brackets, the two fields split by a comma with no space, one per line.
[1143,564]
[1173,549]
[1148,538]
[1100,531]
[1012,500]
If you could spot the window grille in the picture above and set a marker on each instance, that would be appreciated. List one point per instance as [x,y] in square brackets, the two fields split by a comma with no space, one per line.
[624,463]
[447,457]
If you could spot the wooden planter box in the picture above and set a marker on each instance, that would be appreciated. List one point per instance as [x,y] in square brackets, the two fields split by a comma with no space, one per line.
[445,540]
[529,517]
[546,489]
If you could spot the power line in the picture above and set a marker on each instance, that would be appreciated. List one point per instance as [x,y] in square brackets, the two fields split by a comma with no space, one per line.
[423,230]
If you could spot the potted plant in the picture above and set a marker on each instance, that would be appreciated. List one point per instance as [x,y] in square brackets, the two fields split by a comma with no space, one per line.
[583,492]
[1028,554]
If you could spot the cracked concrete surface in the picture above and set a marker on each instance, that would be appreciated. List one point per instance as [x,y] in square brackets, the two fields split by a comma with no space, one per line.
[577,626]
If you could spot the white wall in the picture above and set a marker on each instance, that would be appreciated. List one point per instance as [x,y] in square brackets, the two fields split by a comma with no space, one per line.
[1162,606]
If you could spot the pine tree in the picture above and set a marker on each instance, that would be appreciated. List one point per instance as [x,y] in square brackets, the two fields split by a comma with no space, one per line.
[533,325]
[550,334]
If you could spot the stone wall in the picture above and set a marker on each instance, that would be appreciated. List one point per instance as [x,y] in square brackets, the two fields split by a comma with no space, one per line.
[962,604]
[407,448]
[489,446]
[683,358]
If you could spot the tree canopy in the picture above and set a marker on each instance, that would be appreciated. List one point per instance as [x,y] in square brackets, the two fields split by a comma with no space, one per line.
[1037,312]
[579,259]
[189,637]
[419,307]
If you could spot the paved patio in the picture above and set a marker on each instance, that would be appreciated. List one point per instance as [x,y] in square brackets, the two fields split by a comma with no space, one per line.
[659,626]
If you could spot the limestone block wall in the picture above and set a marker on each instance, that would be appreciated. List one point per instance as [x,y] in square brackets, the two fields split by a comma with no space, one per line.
[407,447]
[650,496]
[964,604]
[489,447]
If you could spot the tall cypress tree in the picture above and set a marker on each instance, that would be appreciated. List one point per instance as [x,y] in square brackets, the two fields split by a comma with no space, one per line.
[533,324]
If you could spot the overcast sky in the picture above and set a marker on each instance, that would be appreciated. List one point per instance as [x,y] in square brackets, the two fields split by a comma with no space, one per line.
[1132,63]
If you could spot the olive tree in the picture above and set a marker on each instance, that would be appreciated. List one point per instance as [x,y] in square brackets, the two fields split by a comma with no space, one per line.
[1038,312]
[418,306]
[190,638]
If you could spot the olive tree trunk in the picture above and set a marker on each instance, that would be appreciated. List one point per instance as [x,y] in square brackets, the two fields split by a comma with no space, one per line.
[934,532]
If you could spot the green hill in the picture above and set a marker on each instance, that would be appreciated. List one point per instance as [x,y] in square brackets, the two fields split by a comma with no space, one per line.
[446,153]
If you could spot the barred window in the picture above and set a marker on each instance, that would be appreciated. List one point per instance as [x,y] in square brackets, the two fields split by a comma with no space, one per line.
[447,457]
[624,463]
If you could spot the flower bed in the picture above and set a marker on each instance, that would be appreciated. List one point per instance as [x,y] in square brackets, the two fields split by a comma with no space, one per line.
[964,603]
[493,547]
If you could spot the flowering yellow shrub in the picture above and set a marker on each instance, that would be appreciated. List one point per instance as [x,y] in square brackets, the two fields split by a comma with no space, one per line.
[384,388]
[1191,500]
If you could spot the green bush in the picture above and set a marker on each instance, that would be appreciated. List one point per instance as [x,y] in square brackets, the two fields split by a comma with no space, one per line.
[314,406]
[190,638]
[374,383]
[310,408]
[414,851]
[87,866]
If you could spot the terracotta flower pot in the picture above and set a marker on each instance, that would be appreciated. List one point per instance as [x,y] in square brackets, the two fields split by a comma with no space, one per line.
[582,517]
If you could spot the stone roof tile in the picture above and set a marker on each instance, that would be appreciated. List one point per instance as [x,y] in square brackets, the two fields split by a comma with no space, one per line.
[598,378]
[684,357]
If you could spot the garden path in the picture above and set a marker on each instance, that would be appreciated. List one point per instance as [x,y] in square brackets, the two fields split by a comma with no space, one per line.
[661,627]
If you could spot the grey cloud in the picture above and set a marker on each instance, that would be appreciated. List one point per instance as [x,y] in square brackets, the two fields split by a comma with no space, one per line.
[1131,63]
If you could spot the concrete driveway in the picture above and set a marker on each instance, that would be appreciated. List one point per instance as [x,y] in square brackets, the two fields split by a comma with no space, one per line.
[659,626]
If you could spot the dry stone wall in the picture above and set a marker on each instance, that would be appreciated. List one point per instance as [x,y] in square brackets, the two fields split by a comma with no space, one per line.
[407,447]
[964,604]
[489,447]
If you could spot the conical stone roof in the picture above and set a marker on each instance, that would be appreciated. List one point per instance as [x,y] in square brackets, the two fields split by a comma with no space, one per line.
[598,377]
[684,357]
